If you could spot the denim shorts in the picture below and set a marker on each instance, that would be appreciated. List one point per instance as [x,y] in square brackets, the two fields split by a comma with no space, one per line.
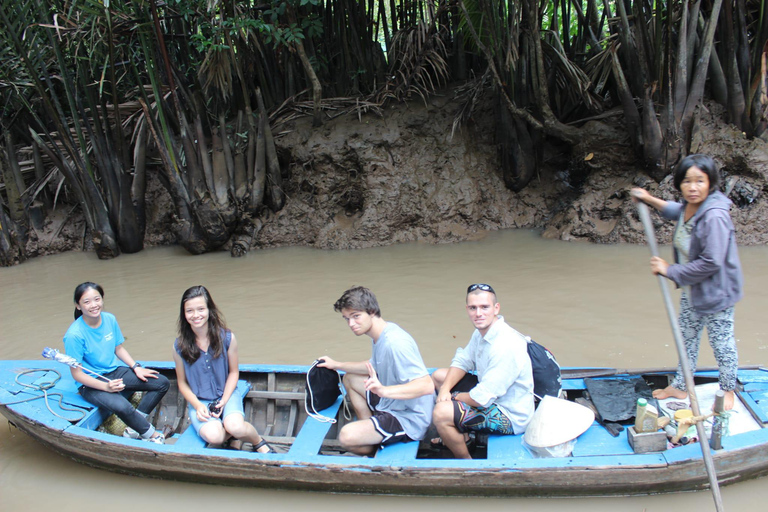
[234,405]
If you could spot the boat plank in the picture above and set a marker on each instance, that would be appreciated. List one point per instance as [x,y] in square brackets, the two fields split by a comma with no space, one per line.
[276,395]
[401,453]
[571,384]
[753,376]
[189,439]
[292,415]
[598,441]
[744,440]
[43,377]
[270,404]
[310,438]
[596,462]
[507,447]
[756,404]
[684,453]
[37,409]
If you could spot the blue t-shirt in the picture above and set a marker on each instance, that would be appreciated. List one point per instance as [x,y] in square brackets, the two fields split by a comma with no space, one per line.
[95,347]
[208,375]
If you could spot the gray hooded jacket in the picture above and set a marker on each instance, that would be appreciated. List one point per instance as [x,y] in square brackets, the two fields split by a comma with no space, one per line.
[714,270]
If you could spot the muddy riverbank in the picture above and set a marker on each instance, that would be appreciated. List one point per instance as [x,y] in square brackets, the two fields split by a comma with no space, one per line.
[404,176]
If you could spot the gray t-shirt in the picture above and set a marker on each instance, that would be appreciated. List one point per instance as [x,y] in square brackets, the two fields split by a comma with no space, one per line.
[397,360]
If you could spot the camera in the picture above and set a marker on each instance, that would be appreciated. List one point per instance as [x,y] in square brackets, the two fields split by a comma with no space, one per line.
[214,407]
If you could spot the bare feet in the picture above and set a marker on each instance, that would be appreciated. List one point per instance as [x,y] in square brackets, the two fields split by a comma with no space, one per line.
[670,392]
[728,400]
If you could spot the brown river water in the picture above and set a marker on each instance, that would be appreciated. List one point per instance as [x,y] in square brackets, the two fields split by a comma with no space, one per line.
[591,305]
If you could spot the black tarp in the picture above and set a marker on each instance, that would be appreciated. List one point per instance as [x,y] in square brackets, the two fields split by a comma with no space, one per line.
[615,398]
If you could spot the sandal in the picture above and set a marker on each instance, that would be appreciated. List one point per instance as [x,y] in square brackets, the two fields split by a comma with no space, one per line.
[263,442]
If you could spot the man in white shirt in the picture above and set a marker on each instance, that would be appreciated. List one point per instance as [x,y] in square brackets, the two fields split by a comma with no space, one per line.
[499,398]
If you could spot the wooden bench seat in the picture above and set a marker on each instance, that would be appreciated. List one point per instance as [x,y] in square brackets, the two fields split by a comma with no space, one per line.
[310,438]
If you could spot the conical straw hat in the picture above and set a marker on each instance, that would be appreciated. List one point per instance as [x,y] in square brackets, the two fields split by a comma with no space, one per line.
[557,421]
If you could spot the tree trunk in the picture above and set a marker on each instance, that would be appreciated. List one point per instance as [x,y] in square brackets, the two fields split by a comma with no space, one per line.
[631,115]
[260,169]
[736,105]
[696,92]
[11,245]
[241,160]
[275,193]
[516,153]
[760,95]
[653,141]
[14,183]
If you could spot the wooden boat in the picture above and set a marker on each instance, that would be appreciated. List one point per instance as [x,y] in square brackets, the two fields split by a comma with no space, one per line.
[310,456]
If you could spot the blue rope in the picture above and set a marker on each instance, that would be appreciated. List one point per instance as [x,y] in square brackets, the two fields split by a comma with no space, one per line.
[721,423]
[44,387]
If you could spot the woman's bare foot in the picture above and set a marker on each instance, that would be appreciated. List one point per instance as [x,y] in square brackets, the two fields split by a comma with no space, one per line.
[670,392]
[728,400]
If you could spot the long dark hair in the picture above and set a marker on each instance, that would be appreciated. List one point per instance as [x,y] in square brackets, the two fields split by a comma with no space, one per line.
[80,290]
[216,326]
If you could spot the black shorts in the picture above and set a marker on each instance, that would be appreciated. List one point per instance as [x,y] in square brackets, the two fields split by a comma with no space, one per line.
[385,423]
[466,383]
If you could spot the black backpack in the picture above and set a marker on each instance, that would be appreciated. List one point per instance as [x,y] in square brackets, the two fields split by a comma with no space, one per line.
[323,388]
[546,371]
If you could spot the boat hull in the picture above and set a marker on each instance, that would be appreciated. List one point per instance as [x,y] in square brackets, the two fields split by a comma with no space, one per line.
[743,457]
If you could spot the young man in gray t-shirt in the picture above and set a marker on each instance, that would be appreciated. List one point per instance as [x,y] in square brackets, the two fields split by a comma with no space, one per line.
[392,393]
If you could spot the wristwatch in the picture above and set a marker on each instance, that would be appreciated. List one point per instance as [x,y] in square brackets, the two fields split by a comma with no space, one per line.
[454,395]
[135,365]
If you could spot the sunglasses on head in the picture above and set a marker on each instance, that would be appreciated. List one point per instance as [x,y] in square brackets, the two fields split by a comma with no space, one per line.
[482,287]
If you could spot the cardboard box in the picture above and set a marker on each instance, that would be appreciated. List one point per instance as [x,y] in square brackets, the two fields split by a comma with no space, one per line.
[647,441]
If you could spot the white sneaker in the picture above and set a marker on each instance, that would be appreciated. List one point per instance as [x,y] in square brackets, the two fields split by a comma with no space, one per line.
[131,434]
[159,439]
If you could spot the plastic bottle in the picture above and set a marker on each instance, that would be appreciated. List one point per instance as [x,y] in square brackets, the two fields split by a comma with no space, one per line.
[645,417]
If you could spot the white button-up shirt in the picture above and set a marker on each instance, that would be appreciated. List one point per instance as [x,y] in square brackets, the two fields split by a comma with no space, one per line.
[500,359]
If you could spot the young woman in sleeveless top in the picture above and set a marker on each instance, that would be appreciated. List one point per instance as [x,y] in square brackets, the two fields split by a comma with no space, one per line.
[207,370]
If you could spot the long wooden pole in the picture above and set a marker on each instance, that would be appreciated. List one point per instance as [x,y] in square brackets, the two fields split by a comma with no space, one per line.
[682,354]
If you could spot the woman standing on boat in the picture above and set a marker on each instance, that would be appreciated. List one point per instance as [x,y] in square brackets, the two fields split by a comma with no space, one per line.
[207,370]
[706,266]
[95,340]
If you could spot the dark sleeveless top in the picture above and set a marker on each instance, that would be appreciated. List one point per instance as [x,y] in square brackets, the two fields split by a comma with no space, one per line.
[207,376]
